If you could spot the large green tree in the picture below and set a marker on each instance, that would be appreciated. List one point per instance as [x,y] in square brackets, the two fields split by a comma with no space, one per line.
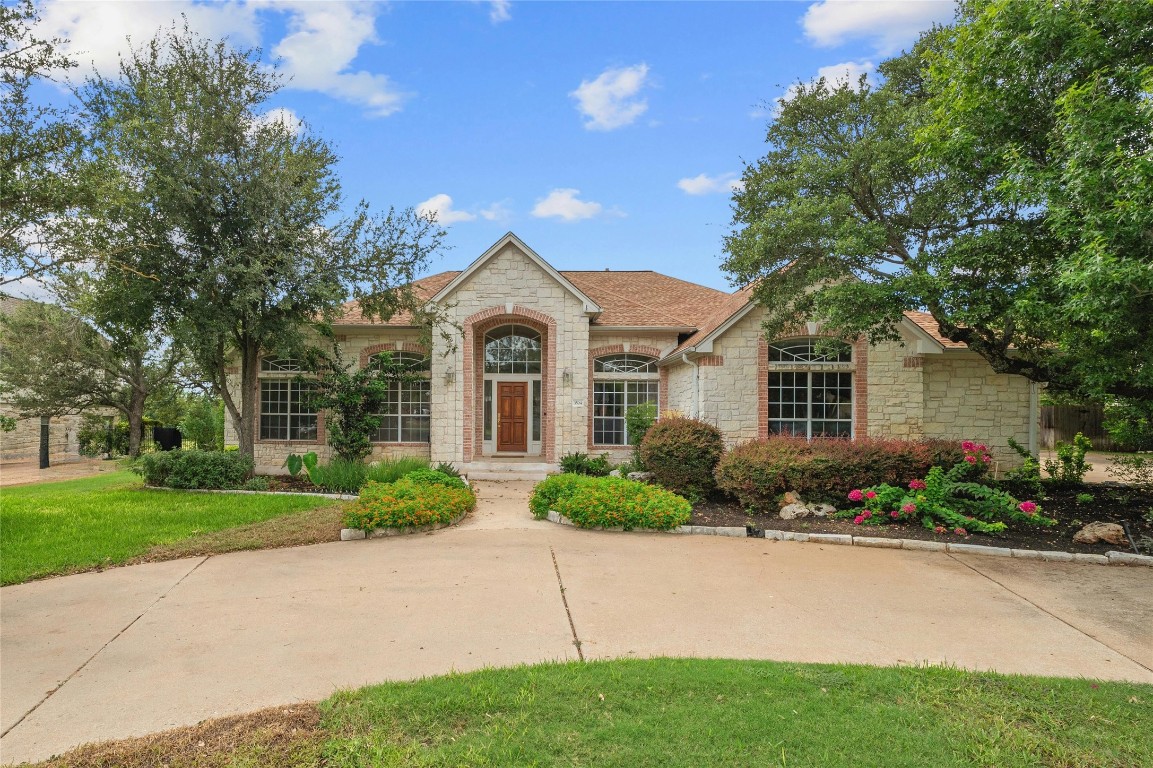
[238,219]
[998,178]
[40,145]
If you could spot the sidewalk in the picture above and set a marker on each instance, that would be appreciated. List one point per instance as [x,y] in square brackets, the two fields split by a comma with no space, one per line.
[26,472]
[140,649]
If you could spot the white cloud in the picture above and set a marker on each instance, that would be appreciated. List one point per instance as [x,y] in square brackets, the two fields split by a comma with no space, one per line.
[285,117]
[889,24]
[563,204]
[708,185]
[97,33]
[611,100]
[441,206]
[496,212]
[317,53]
[499,10]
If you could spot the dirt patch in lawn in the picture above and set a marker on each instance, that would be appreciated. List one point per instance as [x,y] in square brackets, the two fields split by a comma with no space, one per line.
[1110,504]
[280,736]
[314,526]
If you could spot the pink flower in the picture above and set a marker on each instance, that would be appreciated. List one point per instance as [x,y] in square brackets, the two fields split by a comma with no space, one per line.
[910,508]
[1027,507]
[986,458]
[894,514]
[971,459]
[939,529]
[866,514]
[855,495]
[968,445]
[959,531]
[858,519]
[870,494]
[917,485]
[981,448]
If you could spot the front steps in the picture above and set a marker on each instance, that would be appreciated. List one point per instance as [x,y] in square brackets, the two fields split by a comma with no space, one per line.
[506,469]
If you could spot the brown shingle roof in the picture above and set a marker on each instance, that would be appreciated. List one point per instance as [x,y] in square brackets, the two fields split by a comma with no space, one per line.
[640,298]
[927,324]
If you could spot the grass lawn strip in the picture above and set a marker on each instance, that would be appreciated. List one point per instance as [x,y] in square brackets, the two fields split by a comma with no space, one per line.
[76,525]
[678,712]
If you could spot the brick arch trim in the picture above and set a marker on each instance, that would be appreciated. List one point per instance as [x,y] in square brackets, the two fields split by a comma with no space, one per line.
[404,346]
[475,326]
[619,349]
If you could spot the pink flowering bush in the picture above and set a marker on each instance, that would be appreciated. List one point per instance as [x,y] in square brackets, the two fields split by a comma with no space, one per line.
[946,500]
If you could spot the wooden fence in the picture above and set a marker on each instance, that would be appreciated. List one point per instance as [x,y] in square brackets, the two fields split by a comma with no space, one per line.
[1062,422]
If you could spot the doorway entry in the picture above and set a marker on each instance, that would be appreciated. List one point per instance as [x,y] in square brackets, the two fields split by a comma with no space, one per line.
[512,417]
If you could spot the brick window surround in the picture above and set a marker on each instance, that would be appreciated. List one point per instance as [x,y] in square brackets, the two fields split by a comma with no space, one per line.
[618,349]
[860,388]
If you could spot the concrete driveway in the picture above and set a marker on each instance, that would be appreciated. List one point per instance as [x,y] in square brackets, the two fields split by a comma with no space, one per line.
[136,650]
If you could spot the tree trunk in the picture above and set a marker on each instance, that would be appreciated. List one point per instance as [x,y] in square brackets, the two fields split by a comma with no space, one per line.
[135,415]
[246,427]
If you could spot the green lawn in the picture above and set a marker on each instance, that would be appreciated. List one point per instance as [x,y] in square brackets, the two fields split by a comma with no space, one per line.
[74,525]
[679,713]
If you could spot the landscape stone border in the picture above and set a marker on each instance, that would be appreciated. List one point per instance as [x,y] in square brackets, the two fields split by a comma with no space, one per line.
[844,539]
[339,496]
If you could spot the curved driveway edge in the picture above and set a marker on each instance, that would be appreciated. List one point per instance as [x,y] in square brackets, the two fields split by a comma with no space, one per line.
[139,649]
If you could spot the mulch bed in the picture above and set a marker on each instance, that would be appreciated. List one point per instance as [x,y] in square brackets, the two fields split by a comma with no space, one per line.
[1111,504]
[298,484]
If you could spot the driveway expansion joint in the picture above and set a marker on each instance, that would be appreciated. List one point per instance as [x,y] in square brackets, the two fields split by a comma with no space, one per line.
[568,612]
[1049,613]
[100,650]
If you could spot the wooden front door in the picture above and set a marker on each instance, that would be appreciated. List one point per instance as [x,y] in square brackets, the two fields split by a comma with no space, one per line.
[511,416]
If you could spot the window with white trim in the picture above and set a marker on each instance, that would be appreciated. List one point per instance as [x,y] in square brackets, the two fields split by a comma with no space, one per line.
[407,413]
[284,411]
[621,382]
[811,388]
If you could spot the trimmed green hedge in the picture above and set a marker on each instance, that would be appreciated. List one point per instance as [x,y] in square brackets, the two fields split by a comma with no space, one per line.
[757,473]
[194,469]
[408,503]
[608,502]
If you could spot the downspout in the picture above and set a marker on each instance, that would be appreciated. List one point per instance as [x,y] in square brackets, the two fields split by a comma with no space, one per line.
[696,385]
[1034,417]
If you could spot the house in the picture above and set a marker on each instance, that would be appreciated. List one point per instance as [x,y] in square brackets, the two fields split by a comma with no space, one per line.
[547,363]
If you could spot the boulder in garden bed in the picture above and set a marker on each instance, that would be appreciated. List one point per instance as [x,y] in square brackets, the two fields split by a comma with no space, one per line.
[1110,533]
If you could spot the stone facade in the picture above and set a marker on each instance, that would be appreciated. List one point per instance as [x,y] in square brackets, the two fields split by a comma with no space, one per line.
[23,443]
[717,371]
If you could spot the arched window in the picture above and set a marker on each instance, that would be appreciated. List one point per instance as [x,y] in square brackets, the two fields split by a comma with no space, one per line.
[811,388]
[407,413]
[284,411]
[621,382]
[512,349]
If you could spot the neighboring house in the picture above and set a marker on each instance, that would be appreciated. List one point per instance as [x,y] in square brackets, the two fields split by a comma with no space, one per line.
[547,363]
[23,443]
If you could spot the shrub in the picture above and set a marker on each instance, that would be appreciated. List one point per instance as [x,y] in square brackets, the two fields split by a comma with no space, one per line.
[757,473]
[1069,468]
[682,455]
[1130,424]
[1024,480]
[339,475]
[203,423]
[256,484]
[639,420]
[407,504]
[545,493]
[448,469]
[97,438]
[194,469]
[944,501]
[608,502]
[389,470]
[435,477]
[583,464]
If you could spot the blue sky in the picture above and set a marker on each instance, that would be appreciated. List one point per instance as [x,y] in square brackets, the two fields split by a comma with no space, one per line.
[604,134]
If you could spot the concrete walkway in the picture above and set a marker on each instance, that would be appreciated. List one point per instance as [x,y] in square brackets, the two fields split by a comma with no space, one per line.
[140,649]
[70,468]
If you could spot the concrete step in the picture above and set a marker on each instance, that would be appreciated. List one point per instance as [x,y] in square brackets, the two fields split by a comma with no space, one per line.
[486,475]
[508,470]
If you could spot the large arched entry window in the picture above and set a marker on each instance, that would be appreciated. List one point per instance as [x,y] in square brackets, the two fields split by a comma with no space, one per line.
[811,388]
[512,389]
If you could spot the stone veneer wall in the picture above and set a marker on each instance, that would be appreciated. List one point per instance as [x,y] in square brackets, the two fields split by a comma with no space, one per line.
[23,443]
[896,392]
[966,400]
[729,380]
